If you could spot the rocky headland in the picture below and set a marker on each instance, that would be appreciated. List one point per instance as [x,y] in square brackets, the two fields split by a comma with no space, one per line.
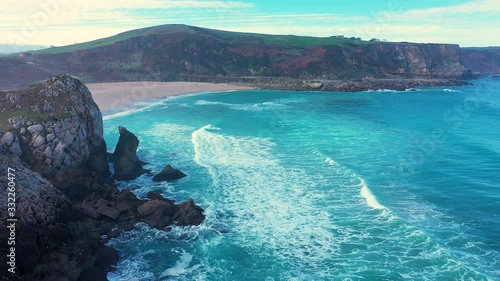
[67,206]
[194,54]
[482,60]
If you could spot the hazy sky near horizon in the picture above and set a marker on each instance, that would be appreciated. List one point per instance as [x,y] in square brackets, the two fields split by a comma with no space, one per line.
[62,22]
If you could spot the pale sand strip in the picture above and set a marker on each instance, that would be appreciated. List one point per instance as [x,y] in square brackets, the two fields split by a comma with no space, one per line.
[122,94]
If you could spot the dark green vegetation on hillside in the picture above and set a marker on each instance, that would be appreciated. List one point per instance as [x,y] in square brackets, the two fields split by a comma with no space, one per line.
[228,36]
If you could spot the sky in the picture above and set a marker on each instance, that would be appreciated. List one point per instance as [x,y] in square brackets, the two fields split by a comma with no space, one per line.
[63,22]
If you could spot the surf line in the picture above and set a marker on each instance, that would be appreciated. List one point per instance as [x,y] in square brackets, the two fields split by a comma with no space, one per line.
[365,192]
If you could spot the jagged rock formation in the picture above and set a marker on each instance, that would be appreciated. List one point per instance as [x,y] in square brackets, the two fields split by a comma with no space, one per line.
[56,128]
[53,140]
[42,212]
[169,174]
[126,163]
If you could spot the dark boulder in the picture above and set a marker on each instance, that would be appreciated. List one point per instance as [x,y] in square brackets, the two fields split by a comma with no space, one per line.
[155,195]
[107,257]
[127,201]
[169,174]
[189,213]
[126,163]
[157,213]
[108,212]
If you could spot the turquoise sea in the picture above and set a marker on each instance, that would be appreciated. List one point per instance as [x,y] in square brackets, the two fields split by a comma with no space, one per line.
[381,185]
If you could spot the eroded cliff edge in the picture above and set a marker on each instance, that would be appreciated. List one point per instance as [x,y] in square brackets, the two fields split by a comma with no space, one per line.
[188,53]
[51,136]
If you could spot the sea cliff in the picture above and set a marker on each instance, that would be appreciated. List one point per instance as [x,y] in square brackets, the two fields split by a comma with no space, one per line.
[66,204]
[188,53]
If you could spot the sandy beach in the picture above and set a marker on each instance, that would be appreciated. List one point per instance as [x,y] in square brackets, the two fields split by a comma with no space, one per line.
[121,94]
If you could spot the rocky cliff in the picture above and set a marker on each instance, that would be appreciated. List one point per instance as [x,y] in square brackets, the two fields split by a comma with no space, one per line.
[56,128]
[42,212]
[53,153]
[179,52]
[482,60]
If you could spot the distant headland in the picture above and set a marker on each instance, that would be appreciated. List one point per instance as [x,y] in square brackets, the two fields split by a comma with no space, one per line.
[193,54]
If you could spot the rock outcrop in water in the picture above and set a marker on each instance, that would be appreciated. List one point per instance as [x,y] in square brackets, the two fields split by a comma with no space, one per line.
[169,174]
[126,163]
[53,140]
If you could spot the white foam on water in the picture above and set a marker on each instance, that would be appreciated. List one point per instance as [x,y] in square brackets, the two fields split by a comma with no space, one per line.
[181,267]
[370,198]
[121,113]
[168,139]
[278,213]
[272,207]
[452,91]
[133,269]
[134,108]
[387,91]
[414,245]
[161,132]
[137,266]
[365,192]
[382,91]
[245,107]
[271,210]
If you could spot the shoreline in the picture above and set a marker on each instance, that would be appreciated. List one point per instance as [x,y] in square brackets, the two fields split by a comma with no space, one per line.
[120,96]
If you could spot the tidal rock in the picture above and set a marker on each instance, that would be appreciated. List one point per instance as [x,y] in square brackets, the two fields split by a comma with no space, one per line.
[127,201]
[169,174]
[189,213]
[89,210]
[127,165]
[157,213]
[155,195]
[107,211]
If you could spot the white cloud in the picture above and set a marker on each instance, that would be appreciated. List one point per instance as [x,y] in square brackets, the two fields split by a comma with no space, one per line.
[474,6]
[60,22]
[473,23]
[57,22]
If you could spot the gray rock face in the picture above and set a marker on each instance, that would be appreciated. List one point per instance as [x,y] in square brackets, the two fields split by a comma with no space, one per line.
[62,137]
[41,210]
[11,142]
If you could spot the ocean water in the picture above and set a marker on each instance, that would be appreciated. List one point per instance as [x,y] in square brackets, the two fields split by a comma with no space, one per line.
[382,185]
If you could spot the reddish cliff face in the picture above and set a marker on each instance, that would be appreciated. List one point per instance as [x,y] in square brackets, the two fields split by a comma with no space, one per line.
[482,60]
[187,53]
